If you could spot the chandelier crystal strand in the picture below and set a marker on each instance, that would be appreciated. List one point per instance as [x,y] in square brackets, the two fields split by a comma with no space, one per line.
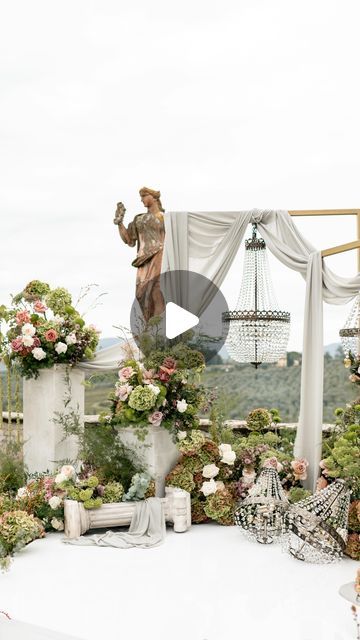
[350,334]
[257,330]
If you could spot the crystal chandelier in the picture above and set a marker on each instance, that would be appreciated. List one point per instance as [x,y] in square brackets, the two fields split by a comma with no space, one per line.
[317,526]
[261,514]
[257,330]
[350,334]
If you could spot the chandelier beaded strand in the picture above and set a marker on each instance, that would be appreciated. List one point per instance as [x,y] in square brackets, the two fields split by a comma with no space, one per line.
[257,330]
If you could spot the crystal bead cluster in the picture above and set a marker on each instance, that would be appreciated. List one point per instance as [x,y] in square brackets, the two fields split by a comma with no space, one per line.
[261,514]
[257,331]
[350,334]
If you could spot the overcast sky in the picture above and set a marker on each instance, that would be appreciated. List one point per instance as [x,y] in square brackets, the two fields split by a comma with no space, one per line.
[220,105]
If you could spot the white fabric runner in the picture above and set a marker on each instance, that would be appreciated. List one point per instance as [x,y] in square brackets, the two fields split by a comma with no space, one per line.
[147,529]
[213,239]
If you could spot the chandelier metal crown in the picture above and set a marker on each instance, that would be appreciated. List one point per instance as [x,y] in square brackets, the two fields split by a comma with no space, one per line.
[257,330]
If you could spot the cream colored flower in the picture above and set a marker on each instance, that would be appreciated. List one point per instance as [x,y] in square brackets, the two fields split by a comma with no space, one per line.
[28,341]
[68,471]
[208,487]
[39,353]
[181,435]
[228,455]
[28,329]
[55,502]
[181,405]
[61,477]
[56,524]
[210,471]
[61,347]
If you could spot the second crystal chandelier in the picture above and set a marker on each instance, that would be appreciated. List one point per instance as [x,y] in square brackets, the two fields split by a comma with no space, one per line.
[257,330]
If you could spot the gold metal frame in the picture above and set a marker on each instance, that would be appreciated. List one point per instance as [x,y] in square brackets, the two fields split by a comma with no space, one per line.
[341,248]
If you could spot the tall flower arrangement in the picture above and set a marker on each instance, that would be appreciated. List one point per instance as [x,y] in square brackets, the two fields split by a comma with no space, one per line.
[44,329]
[167,394]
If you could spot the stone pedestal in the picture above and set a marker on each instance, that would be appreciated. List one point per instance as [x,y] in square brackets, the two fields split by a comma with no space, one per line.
[44,443]
[158,453]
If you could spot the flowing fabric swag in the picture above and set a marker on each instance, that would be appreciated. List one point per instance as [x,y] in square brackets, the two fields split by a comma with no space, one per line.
[207,243]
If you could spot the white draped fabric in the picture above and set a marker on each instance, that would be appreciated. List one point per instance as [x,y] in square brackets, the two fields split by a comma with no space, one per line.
[207,243]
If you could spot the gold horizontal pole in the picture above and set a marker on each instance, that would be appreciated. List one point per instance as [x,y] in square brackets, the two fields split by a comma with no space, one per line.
[341,248]
[325,212]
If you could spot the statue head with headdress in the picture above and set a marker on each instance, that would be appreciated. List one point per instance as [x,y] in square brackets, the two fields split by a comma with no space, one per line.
[149,195]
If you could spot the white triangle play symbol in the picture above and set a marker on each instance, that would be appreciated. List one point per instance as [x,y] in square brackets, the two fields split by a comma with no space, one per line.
[178,320]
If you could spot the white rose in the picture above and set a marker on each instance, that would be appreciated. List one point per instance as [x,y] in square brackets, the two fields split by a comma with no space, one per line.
[71,339]
[27,341]
[61,477]
[39,353]
[58,319]
[28,329]
[181,405]
[154,388]
[181,435]
[55,502]
[68,471]
[228,455]
[61,347]
[208,487]
[210,471]
[21,493]
[57,524]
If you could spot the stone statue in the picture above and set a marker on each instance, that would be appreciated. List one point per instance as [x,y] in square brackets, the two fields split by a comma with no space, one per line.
[147,232]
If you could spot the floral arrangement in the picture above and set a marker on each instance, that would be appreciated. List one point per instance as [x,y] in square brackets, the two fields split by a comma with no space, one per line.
[44,329]
[218,474]
[341,459]
[352,363]
[17,529]
[44,496]
[164,391]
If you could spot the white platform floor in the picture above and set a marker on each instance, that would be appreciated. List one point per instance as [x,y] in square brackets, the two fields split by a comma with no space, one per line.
[207,584]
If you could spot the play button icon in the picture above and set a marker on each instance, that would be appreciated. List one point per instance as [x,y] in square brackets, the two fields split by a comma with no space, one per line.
[178,320]
[192,309]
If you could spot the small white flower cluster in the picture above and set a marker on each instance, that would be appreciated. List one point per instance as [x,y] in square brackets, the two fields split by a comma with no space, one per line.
[211,470]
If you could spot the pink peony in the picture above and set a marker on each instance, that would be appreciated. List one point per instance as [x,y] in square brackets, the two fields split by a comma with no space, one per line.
[22,316]
[273,462]
[125,373]
[156,418]
[39,307]
[299,468]
[123,391]
[51,335]
[148,376]
[17,344]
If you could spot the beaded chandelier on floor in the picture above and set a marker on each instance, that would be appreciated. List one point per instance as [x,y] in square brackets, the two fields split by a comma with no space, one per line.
[257,330]
[350,334]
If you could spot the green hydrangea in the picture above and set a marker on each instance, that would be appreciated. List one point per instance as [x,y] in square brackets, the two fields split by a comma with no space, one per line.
[58,300]
[298,493]
[220,507]
[85,494]
[193,442]
[142,398]
[182,478]
[35,290]
[198,514]
[17,529]
[113,492]
[93,503]
[92,482]
[258,419]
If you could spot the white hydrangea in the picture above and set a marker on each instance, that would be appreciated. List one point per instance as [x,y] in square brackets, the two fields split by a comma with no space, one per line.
[55,502]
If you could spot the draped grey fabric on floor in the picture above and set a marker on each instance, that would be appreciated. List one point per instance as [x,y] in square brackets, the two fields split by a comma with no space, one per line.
[207,243]
[147,529]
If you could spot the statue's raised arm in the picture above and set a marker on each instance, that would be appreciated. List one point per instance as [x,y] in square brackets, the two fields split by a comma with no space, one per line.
[147,231]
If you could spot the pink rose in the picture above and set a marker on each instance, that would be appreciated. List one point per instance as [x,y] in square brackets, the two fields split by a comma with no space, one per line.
[148,376]
[17,344]
[39,307]
[273,462]
[22,316]
[51,335]
[299,468]
[36,342]
[322,483]
[125,373]
[156,418]
[123,391]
